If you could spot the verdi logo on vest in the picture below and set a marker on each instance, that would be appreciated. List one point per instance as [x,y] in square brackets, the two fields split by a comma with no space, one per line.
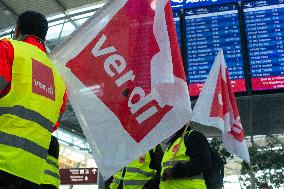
[175,148]
[121,66]
[42,80]
[142,159]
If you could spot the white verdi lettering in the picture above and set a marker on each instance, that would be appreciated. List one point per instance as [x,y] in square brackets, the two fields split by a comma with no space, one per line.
[97,51]
[44,87]
[116,64]
[143,101]
[129,76]
[113,61]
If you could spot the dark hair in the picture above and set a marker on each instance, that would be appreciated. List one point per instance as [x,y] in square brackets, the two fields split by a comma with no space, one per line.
[33,23]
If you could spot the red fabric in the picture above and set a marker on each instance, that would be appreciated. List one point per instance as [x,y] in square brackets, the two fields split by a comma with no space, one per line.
[42,74]
[62,110]
[135,46]
[224,102]
[36,42]
[6,63]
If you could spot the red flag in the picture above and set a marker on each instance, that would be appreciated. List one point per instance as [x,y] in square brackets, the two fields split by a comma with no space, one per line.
[126,80]
[217,107]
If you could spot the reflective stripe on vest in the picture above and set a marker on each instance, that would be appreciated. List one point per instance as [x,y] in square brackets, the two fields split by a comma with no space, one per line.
[24,144]
[135,182]
[137,174]
[52,163]
[139,171]
[51,172]
[131,182]
[28,112]
[116,180]
[174,162]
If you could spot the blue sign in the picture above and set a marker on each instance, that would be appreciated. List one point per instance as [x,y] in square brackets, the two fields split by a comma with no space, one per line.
[265,34]
[183,4]
[207,30]
[176,15]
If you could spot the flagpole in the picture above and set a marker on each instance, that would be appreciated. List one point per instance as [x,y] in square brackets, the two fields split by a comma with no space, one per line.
[182,138]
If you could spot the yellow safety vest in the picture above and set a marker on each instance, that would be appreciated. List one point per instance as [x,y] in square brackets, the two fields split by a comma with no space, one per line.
[51,172]
[189,183]
[137,174]
[28,112]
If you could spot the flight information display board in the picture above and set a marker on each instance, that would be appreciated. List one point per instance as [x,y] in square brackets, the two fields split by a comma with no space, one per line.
[176,15]
[183,4]
[207,30]
[264,22]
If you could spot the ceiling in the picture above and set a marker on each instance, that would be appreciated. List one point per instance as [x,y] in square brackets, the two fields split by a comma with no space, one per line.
[10,9]
[56,11]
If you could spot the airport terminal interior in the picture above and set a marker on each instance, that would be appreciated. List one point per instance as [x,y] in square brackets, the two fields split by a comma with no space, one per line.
[255,31]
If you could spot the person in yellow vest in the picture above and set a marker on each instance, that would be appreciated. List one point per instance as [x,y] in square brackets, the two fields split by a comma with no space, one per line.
[51,178]
[32,101]
[192,160]
[141,173]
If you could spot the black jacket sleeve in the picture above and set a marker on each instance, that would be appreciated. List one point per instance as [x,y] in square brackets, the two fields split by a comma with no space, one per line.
[54,147]
[198,149]
[156,158]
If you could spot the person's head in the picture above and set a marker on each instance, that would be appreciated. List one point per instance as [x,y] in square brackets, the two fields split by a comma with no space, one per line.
[31,23]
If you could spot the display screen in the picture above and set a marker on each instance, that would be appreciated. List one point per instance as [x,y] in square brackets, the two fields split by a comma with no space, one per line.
[183,4]
[176,15]
[264,22]
[208,30]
